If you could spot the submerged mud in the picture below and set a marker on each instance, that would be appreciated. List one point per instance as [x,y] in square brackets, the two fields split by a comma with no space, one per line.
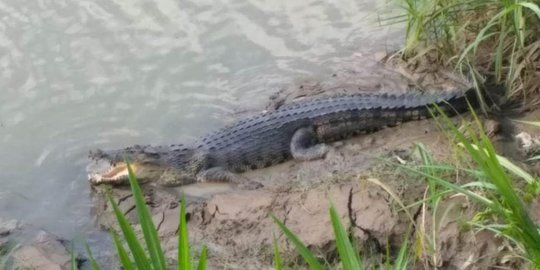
[355,177]
[25,247]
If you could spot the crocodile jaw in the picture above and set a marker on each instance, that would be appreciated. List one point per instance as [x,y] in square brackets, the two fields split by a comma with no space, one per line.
[102,172]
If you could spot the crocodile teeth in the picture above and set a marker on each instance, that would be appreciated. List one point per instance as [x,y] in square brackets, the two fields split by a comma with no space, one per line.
[97,178]
[114,173]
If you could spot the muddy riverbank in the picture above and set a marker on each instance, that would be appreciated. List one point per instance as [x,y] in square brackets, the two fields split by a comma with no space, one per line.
[357,176]
[236,224]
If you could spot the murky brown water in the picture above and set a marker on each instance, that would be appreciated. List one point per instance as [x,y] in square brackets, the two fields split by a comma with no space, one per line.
[78,75]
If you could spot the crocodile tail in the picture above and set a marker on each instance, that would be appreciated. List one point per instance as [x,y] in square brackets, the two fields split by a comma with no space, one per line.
[496,98]
[459,102]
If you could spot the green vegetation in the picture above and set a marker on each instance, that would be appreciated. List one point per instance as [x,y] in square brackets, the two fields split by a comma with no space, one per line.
[149,256]
[491,187]
[498,38]
[348,254]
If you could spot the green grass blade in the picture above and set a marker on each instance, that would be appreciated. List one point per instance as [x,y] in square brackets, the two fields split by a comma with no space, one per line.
[403,258]
[277,257]
[202,259]
[533,7]
[473,46]
[506,203]
[184,259]
[157,257]
[93,263]
[73,261]
[532,123]
[131,238]
[515,210]
[499,53]
[446,184]
[123,255]
[300,247]
[347,254]
[393,195]
[483,33]
[511,167]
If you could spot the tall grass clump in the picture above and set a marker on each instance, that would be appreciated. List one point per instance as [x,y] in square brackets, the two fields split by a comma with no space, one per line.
[496,38]
[493,188]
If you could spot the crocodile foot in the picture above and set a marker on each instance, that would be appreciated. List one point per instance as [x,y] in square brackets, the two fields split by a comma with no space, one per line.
[304,145]
[219,174]
[250,185]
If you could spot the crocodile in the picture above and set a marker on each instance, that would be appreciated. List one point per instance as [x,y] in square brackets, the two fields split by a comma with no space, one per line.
[299,130]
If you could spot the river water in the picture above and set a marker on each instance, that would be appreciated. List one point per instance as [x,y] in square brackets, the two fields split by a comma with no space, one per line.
[79,75]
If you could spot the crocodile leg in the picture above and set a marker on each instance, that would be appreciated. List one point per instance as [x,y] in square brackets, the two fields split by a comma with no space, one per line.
[221,175]
[305,146]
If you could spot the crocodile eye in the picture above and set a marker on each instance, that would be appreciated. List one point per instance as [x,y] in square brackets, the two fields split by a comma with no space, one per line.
[149,162]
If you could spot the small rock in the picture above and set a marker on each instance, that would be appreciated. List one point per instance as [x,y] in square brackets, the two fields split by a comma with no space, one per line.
[7,227]
[46,252]
[6,230]
[529,144]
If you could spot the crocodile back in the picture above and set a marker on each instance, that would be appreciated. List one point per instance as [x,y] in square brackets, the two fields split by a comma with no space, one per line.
[264,139]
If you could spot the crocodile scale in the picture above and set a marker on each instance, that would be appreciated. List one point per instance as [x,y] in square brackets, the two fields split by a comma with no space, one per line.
[265,139]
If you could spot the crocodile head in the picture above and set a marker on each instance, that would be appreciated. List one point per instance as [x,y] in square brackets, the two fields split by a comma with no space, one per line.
[161,165]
